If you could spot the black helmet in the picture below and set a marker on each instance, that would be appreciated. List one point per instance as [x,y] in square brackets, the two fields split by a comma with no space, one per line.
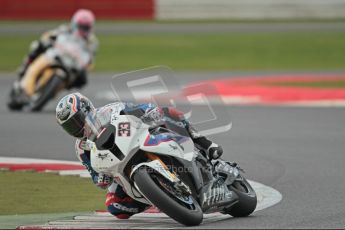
[71,112]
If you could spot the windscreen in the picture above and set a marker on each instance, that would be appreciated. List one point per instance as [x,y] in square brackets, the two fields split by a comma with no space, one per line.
[94,123]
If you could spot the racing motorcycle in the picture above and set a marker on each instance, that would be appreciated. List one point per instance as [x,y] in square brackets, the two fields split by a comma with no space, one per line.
[50,73]
[163,168]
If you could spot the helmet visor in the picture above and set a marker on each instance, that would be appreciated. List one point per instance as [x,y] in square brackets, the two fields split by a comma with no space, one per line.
[84,28]
[75,125]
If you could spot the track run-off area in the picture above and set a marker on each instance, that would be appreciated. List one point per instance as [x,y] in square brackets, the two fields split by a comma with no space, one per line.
[266,196]
[296,150]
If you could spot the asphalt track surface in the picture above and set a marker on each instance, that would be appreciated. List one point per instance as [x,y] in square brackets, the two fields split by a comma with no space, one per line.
[298,151]
[180,28]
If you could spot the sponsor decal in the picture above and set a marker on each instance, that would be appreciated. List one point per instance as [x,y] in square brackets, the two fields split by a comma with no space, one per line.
[154,140]
[173,146]
[123,208]
[102,156]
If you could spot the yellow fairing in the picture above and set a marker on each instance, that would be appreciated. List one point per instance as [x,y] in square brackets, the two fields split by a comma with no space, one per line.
[38,68]
[46,76]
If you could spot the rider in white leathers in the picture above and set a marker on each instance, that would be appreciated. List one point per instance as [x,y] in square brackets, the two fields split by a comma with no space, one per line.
[81,27]
[71,112]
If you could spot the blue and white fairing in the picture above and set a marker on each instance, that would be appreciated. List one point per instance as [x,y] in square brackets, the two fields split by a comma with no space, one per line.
[169,144]
[131,136]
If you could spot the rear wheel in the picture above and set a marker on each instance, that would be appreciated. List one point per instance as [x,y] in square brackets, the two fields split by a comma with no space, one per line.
[178,205]
[46,93]
[247,199]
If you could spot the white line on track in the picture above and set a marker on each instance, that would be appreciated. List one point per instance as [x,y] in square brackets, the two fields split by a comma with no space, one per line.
[19,160]
[267,197]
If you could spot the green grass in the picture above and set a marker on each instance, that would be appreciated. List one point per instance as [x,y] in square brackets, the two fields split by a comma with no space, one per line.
[30,192]
[314,84]
[168,21]
[265,51]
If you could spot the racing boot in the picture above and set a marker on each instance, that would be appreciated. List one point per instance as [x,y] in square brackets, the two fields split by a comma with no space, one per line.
[212,150]
[22,97]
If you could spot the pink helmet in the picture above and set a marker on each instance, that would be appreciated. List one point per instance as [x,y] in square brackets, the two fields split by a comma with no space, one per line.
[82,22]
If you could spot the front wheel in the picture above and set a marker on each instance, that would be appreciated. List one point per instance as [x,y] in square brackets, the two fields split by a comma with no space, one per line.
[161,193]
[12,102]
[46,93]
[247,199]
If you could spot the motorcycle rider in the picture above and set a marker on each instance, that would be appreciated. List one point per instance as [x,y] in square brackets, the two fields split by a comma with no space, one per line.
[71,113]
[81,26]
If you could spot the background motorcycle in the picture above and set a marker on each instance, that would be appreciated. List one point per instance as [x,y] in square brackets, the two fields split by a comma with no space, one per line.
[164,169]
[50,73]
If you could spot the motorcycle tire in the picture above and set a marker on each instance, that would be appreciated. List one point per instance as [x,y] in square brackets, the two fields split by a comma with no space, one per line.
[247,199]
[12,104]
[164,201]
[47,93]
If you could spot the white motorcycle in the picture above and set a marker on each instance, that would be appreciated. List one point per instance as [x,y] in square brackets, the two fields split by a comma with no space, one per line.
[162,168]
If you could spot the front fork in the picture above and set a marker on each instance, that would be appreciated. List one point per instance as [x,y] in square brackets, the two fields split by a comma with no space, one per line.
[154,157]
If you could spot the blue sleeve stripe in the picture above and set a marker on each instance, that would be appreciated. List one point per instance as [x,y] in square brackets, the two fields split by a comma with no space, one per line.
[87,164]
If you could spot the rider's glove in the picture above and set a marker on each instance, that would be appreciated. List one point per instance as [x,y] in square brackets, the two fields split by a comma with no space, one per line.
[153,115]
[214,151]
[103,181]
